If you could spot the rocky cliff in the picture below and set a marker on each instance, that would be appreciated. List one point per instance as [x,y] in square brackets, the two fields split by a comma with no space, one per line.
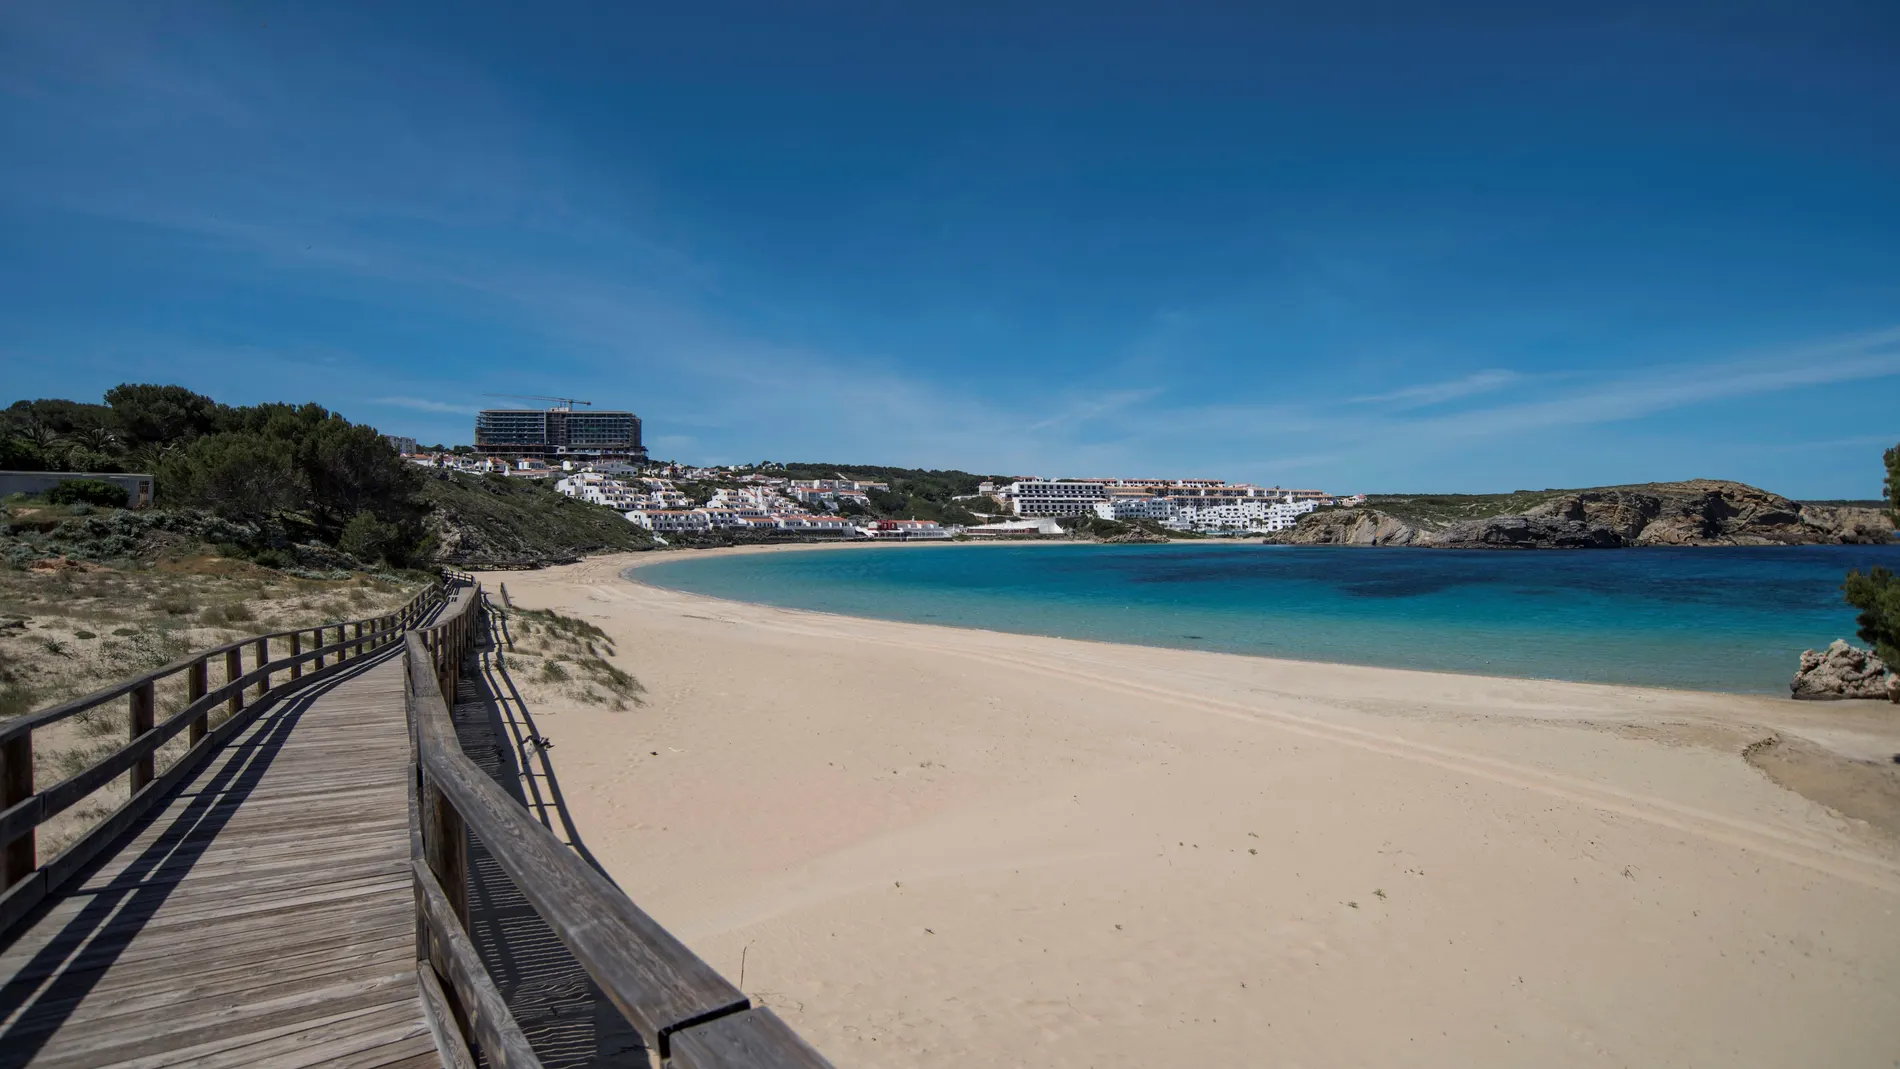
[1348,527]
[1700,512]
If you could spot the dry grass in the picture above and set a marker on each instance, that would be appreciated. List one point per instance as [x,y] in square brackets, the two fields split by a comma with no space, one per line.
[68,632]
[549,654]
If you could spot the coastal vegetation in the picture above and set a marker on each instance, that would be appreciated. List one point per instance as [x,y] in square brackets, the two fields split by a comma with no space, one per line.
[284,486]
[480,520]
[1694,512]
[282,473]
[947,496]
[1877,593]
[549,652]
[1096,529]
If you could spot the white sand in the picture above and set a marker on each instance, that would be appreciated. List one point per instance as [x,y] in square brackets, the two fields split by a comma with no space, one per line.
[941,847]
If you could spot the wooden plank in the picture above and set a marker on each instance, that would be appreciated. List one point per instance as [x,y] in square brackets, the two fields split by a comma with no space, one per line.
[755,1039]
[245,906]
[157,1032]
[281,1045]
[239,962]
[193,998]
[338,928]
[343,855]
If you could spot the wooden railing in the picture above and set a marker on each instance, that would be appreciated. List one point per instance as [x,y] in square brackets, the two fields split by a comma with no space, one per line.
[689,1015]
[24,807]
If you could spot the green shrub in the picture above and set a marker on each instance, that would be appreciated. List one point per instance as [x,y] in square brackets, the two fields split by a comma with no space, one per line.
[228,613]
[369,539]
[273,558]
[16,699]
[1877,594]
[87,491]
[174,604]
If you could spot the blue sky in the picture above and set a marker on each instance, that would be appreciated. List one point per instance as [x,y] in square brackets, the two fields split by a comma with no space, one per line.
[1360,246]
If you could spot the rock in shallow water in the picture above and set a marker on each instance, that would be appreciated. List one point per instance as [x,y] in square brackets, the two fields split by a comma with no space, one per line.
[1840,671]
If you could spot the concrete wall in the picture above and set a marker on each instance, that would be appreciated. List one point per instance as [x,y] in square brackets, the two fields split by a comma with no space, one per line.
[138,488]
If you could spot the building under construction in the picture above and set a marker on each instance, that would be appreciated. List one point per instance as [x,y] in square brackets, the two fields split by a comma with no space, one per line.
[559,432]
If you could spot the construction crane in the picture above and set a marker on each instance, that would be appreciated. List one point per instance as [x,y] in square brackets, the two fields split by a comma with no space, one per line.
[562,404]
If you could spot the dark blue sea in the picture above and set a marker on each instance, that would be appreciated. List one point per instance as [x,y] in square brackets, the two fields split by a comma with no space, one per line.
[1705,619]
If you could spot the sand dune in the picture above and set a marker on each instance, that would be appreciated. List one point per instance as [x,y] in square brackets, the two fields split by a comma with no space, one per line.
[942,847]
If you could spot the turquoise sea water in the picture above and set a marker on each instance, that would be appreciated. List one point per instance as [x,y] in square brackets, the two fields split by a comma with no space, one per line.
[1707,619]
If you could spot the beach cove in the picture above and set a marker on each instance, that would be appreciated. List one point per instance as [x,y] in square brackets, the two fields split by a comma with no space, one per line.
[928,845]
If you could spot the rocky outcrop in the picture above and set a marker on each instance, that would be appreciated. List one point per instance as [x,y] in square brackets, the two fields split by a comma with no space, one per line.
[1526,532]
[1349,527]
[1850,525]
[1700,512]
[1841,671]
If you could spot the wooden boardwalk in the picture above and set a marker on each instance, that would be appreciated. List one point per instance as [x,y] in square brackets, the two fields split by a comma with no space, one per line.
[263,917]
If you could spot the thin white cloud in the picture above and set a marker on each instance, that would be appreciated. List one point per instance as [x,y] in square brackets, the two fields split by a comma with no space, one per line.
[1083,408]
[1853,358]
[424,404]
[1436,393]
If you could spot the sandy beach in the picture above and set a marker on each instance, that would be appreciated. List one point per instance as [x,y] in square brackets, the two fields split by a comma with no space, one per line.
[927,846]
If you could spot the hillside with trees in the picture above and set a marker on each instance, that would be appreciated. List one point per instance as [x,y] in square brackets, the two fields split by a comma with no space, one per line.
[279,484]
[947,496]
[1877,593]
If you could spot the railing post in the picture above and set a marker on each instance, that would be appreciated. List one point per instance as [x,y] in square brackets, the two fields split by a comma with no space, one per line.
[296,647]
[144,710]
[357,646]
[16,786]
[316,639]
[233,671]
[197,681]
[263,658]
[341,639]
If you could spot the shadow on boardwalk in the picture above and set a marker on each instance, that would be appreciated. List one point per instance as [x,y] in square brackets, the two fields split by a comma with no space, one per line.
[567,1018]
[43,993]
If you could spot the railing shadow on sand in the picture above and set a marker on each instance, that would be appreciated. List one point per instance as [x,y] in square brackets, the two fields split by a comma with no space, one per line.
[532,956]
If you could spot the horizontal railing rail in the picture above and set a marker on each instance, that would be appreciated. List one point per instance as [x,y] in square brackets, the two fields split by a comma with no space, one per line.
[24,882]
[688,1014]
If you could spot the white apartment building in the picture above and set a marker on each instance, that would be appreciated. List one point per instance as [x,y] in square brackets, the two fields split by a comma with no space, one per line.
[1284,514]
[670,521]
[1078,497]
[1211,518]
[1127,507]
[1251,515]
[1055,497]
[906,530]
[815,524]
[600,489]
